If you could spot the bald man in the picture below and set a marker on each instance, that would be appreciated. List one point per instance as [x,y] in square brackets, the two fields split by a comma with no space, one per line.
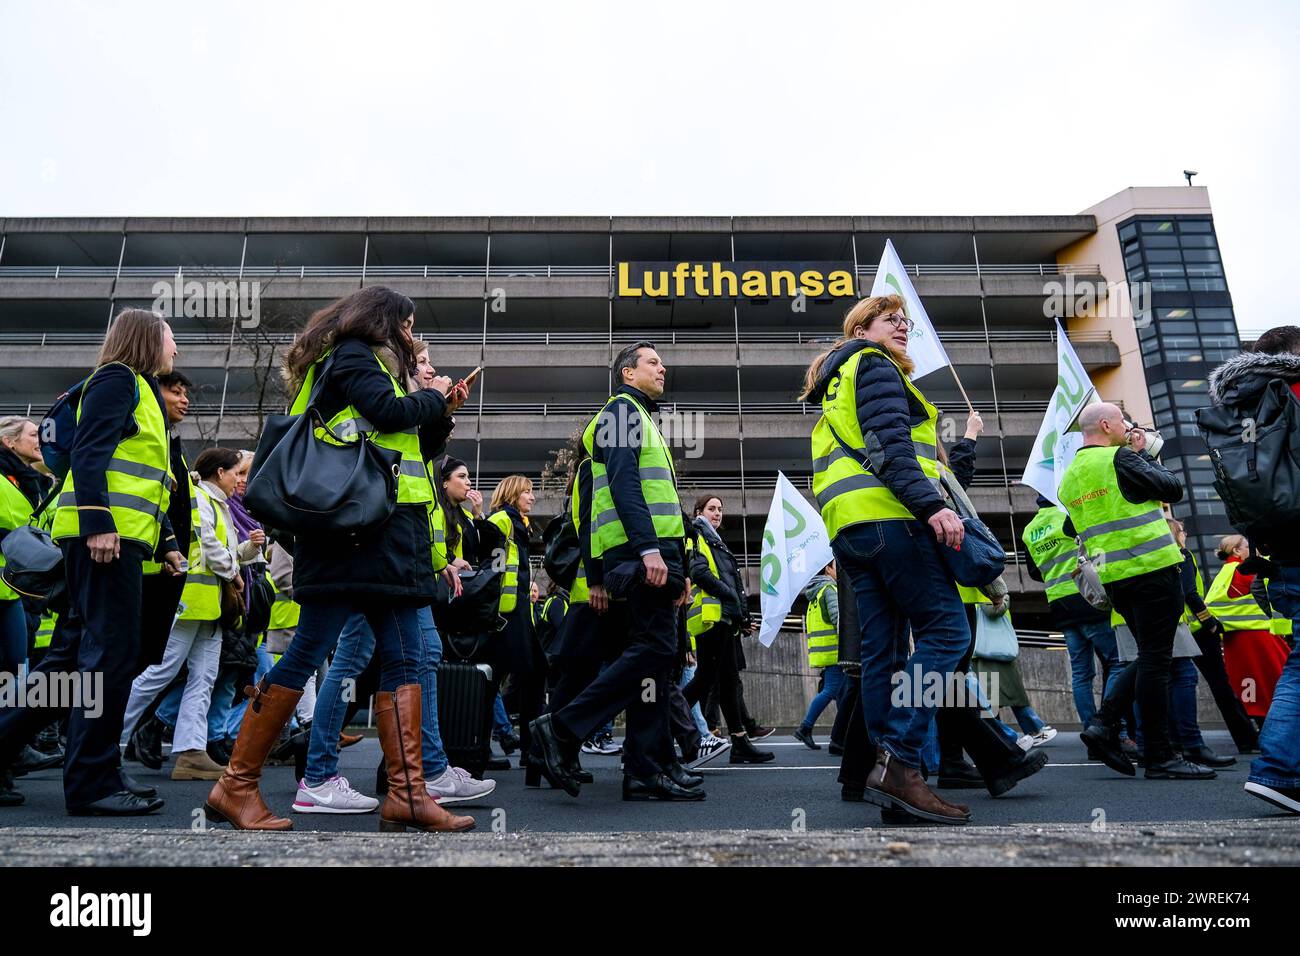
[1113,492]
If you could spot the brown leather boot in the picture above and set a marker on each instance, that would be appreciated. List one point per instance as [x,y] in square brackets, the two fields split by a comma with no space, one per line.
[408,803]
[894,785]
[235,798]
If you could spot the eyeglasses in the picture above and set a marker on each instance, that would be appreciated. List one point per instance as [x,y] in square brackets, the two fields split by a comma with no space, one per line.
[899,321]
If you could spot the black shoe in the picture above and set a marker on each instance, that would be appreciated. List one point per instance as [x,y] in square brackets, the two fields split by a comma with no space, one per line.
[1108,750]
[1207,757]
[1288,798]
[508,743]
[167,732]
[120,804]
[834,749]
[146,743]
[852,792]
[1022,766]
[32,760]
[1177,768]
[658,787]
[580,775]
[959,775]
[683,777]
[742,751]
[805,737]
[552,757]
[135,787]
[9,796]
[758,731]
[219,752]
[47,741]
[497,763]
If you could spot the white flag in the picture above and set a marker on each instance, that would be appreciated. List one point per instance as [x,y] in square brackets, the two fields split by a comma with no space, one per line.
[923,344]
[796,546]
[1056,445]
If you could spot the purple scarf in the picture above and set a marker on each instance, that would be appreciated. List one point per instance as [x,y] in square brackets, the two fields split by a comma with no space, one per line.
[244,522]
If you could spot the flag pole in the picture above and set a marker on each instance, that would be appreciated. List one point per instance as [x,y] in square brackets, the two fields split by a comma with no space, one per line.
[961,388]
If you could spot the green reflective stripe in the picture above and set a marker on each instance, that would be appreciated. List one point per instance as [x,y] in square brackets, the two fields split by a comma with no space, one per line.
[439,536]
[117,499]
[1123,524]
[413,469]
[922,449]
[138,470]
[282,598]
[1058,581]
[657,508]
[201,578]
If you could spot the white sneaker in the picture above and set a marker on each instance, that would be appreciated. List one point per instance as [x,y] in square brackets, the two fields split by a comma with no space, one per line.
[1025,742]
[710,747]
[335,795]
[1044,735]
[455,785]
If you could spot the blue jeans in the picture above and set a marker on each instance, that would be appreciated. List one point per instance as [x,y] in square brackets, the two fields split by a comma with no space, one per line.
[1278,763]
[397,633]
[1028,719]
[1183,727]
[832,690]
[356,645]
[1085,642]
[13,636]
[899,579]
[697,715]
[501,726]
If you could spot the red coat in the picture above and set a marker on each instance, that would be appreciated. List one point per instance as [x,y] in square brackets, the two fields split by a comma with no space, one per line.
[1253,659]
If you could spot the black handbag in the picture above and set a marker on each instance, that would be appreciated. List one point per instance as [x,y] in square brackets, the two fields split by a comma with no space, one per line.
[34,563]
[303,483]
[562,551]
[475,611]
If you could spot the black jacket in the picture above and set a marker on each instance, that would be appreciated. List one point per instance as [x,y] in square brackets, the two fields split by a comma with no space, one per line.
[392,561]
[1140,478]
[1240,383]
[961,461]
[178,509]
[728,584]
[107,412]
[514,646]
[886,413]
[616,447]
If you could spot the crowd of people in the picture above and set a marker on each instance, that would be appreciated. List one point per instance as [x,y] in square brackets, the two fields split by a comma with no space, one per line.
[242,644]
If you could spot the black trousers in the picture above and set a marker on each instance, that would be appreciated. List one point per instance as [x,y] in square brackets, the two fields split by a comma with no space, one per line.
[160,596]
[859,752]
[99,637]
[715,666]
[637,681]
[578,654]
[1152,606]
[1210,663]
[964,728]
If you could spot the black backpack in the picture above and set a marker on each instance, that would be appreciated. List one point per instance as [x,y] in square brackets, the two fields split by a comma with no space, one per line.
[1256,457]
[562,554]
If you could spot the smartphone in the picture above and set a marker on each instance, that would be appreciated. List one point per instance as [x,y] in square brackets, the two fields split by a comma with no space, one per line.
[469,379]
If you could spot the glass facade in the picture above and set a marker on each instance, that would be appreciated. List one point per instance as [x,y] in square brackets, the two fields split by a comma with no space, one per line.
[1186,328]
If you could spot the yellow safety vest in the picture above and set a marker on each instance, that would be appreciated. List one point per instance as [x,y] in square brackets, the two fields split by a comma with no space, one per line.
[846,491]
[138,478]
[510,586]
[201,597]
[823,641]
[1240,613]
[284,610]
[706,610]
[414,486]
[15,512]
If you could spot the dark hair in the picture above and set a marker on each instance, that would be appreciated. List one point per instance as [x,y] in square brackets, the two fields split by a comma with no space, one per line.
[136,340]
[450,512]
[702,502]
[175,378]
[1283,338]
[375,315]
[211,459]
[628,358]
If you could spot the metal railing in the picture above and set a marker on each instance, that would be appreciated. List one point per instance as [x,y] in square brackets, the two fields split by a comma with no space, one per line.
[593,337]
[496,270]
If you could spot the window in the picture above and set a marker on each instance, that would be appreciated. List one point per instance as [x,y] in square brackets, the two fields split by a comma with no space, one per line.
[1195,225]
[1128,232]
[1163,225]
[1164,255]
[1162,242]
[1200,255]
[1204,269]
[1218,327]
[1135,259]
[1209,313]
[1171,285]
[1194,242]
[1160,404]
[1207,285]
[1178,313]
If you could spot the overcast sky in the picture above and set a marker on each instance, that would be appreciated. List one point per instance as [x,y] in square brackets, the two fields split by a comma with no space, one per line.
[279,108]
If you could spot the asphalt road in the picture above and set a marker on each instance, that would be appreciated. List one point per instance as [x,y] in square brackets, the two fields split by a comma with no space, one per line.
[796,790]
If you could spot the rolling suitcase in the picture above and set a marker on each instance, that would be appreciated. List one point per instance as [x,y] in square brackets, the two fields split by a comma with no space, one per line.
[466,693]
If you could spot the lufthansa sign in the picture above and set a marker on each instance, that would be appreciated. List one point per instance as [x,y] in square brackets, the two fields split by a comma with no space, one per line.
[734,280]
